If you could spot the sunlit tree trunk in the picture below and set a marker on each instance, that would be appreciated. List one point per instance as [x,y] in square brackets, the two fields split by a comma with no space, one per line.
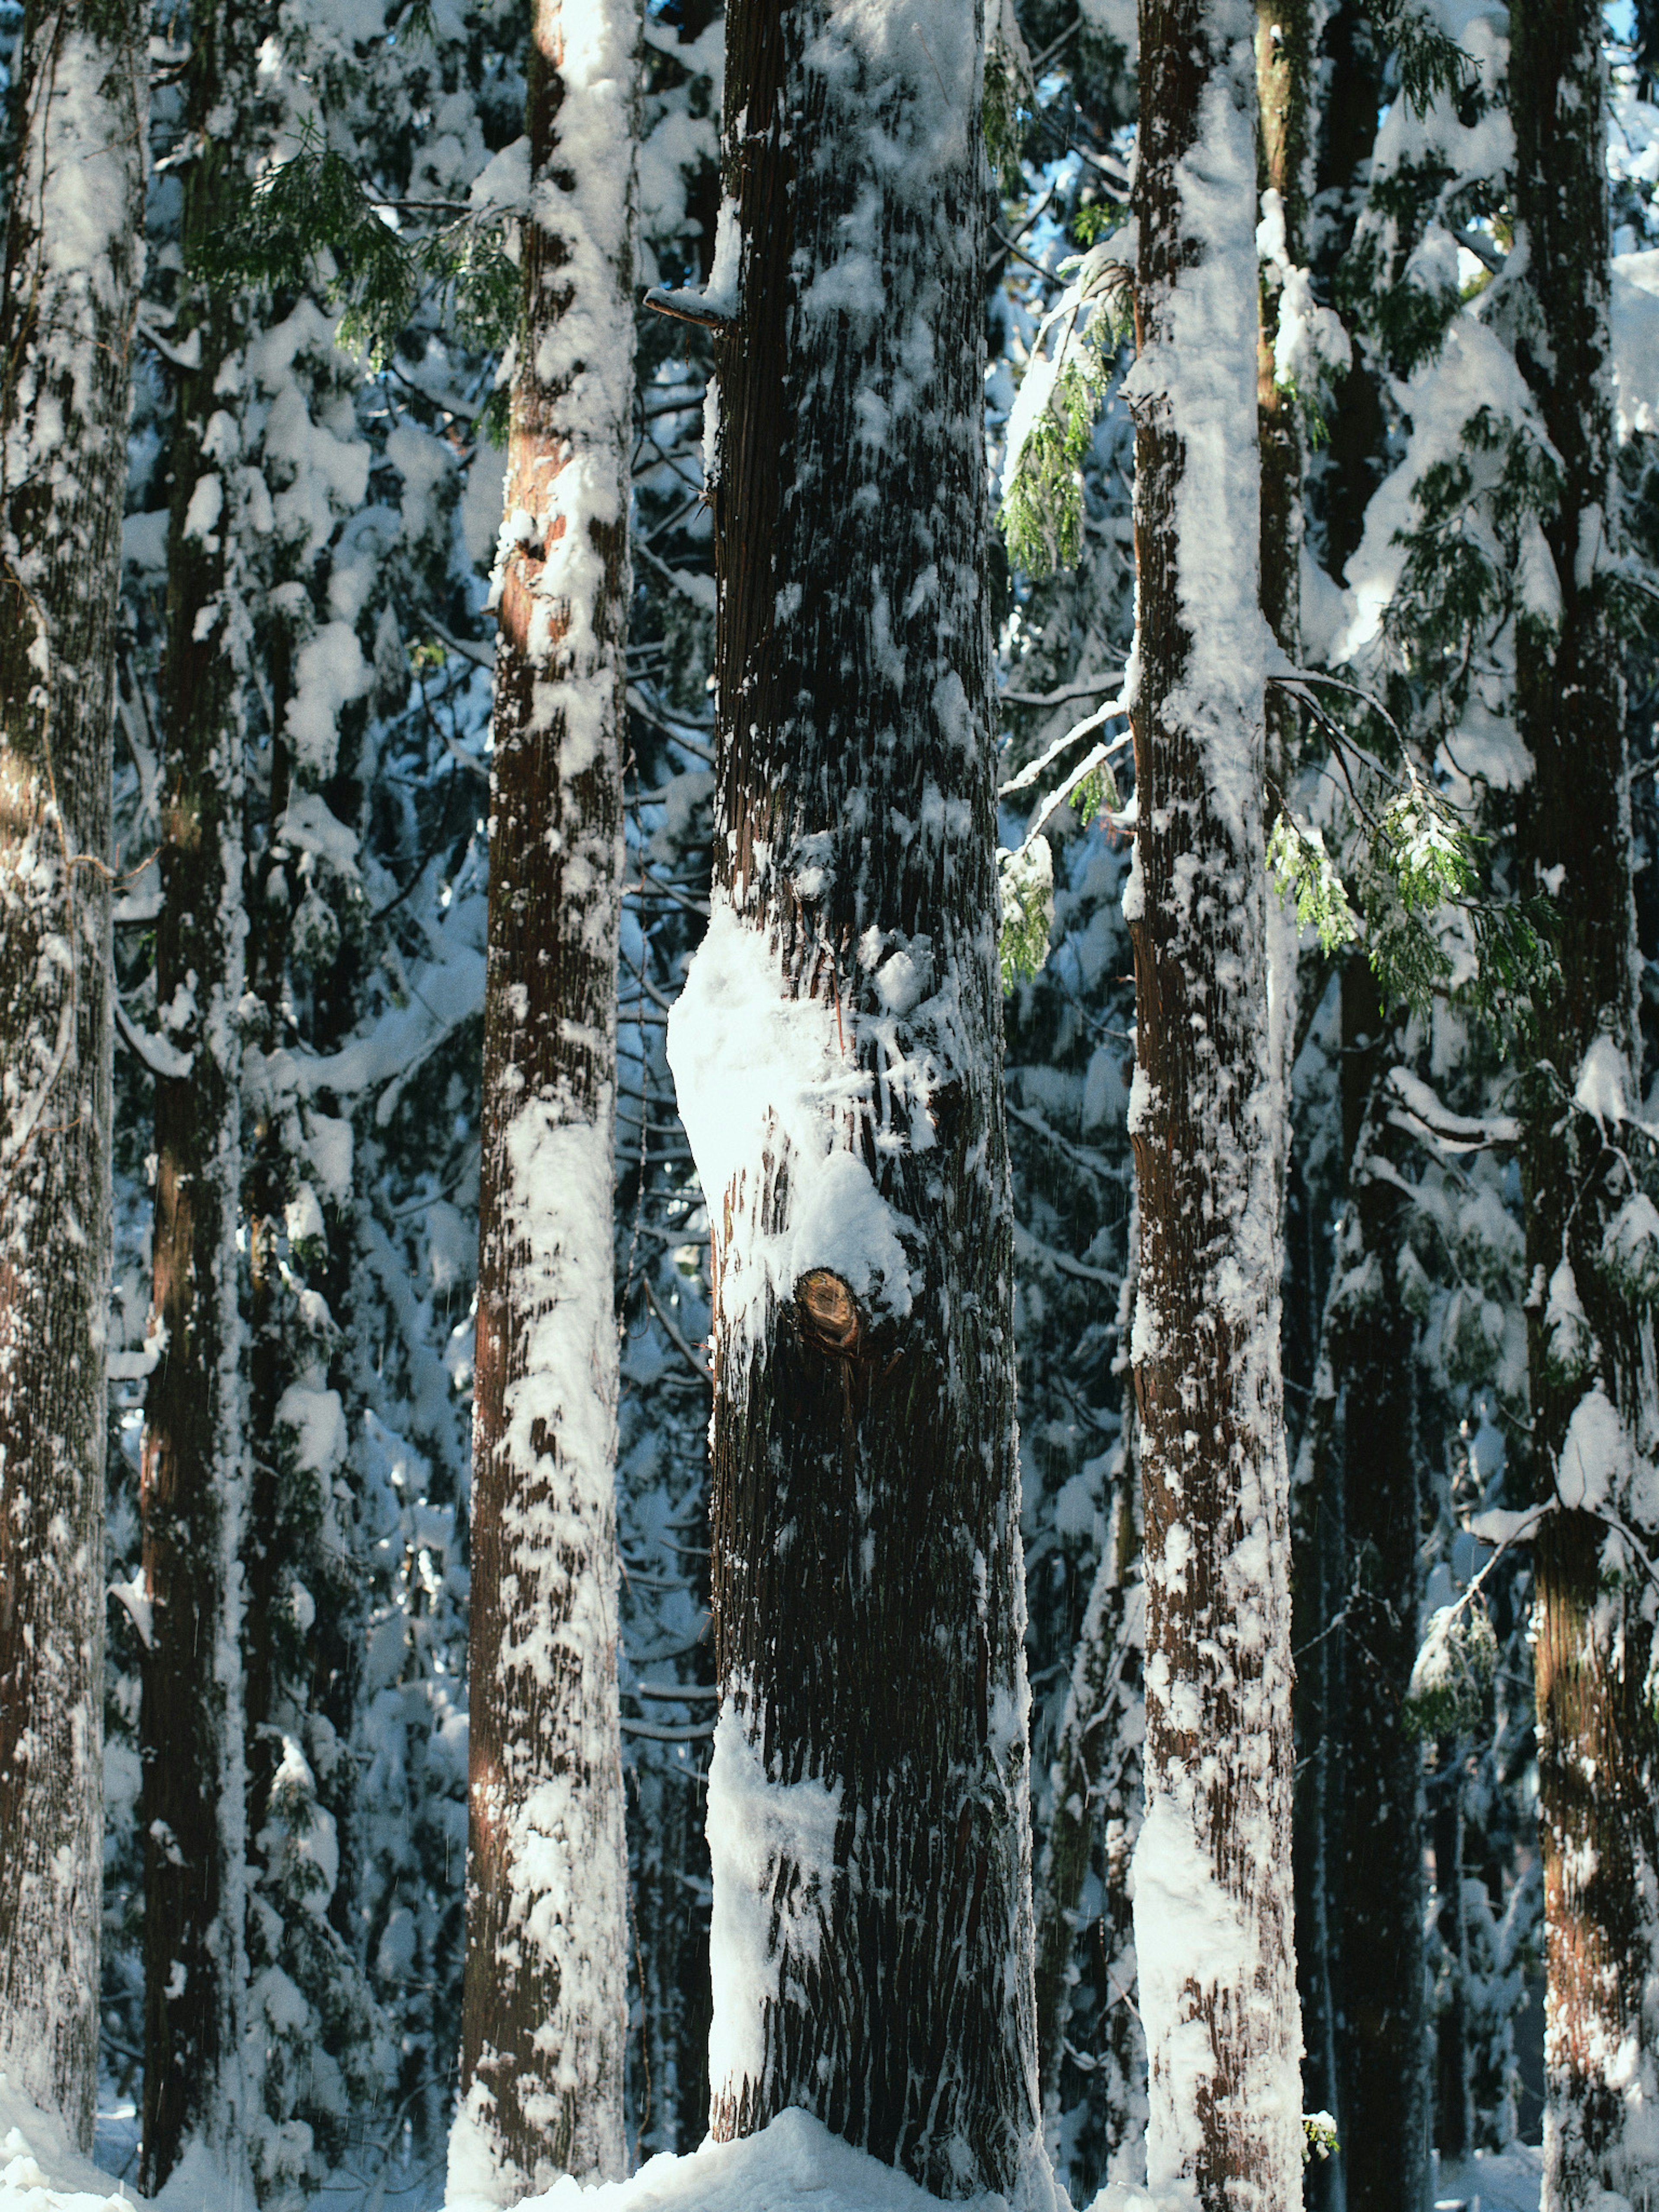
[1590,1338]
[1213,1865]
[546,2006]
[73,257]
[838,1055]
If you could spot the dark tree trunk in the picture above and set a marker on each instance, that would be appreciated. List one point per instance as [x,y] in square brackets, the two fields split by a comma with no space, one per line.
[1220,2010]
[1382,2047]
[1590,1342]
[837,1053]
[81,98]
[545,2014]
[1096,1779]
[190,1734]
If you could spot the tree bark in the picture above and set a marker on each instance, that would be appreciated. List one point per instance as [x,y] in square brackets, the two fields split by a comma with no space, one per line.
[1212,1866]
[1096,1799]
[1380,2028]
[192,1482]
[1591,1340]
[544,2013]
[837,1057]
[74,253]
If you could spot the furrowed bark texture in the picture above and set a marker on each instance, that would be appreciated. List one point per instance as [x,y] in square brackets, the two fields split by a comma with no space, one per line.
[74,256]
[545,2011]
[191,1478]
[1589,1328]
[1212,1866]
[838,1059]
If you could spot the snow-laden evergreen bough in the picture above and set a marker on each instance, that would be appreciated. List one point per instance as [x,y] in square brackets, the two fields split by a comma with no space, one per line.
[74,256]
[545,2007]
[1213,1864]
[1592,1235]
[836,1054]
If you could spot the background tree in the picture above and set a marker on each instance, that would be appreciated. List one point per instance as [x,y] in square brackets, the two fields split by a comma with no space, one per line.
[1589,1320]
[73,257]
[191,1491]
[544,2016]
[836,1058]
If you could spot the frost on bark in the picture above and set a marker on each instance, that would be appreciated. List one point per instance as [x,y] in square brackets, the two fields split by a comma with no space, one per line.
[1213,1864]
[837,1057]
[190,1736]
[73,261]
[1589,1326]
[545,2011]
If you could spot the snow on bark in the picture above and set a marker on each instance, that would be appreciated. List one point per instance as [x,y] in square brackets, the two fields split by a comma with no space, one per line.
[836,1052]
[544,2013]
[1591,1354]
[196,2111]
[1213,1864]
[73,261]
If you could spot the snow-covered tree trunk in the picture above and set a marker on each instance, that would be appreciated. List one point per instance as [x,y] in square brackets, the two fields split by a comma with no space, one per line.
[1213,1864]
[190,1731]
[545,2007]
[1589,1228]
[837,1057]
[74,256]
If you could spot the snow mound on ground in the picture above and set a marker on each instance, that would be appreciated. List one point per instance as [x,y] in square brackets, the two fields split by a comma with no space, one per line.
[795,2164]
[40,2170]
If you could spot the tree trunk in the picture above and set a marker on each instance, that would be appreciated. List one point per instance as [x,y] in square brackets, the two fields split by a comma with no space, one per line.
[1590,1342]
[1382,2031]
[1096,1799]
[544,2013]
[837,1057]
[191,1725]
[1212,1866]
[73,256]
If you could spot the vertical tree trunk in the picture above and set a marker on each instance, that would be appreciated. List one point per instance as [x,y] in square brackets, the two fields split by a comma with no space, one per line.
[1377,1830]
[546,2006]
[73,256]
[1095,1777]
[190,1731]
[837,1057]
[1212,1866]
[1590,1341]
[1283,78]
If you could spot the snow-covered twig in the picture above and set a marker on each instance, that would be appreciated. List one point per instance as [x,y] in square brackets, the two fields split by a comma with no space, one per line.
[160,1057]
[1028,775]
[1420,1112]
[673,1335]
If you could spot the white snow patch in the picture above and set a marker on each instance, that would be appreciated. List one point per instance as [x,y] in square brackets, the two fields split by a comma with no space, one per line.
[330,671]
[795,2164]
[40,2170]
[760,1075]
[759,1829]
[1596,1460]
[1189,1936]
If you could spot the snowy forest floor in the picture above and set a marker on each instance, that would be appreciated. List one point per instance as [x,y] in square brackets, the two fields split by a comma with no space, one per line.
[794,2165]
